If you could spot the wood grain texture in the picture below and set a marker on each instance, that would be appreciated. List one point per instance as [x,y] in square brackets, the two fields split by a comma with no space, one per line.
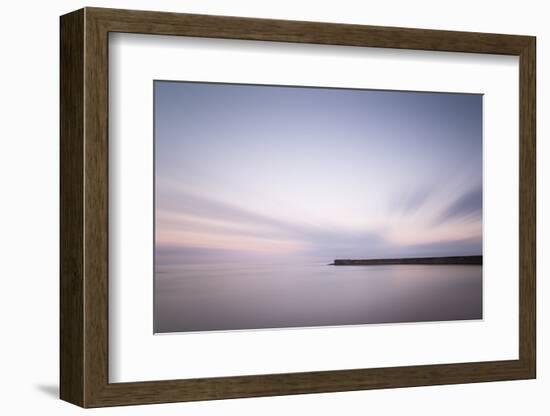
[84,207]
[96,219]
[527,208]
[162,23]
[71,208]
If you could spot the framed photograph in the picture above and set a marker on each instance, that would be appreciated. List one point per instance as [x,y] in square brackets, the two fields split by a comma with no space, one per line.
[255,207]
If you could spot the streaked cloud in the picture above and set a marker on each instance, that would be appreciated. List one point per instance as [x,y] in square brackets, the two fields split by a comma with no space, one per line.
[467,205]
[316,172]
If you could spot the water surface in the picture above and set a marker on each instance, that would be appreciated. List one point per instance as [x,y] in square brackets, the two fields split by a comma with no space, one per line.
[230,296]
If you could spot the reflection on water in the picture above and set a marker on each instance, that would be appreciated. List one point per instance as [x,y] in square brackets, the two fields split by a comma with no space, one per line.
[205,297]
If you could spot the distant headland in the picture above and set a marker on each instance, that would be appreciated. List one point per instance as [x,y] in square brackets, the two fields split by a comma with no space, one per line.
[452,260]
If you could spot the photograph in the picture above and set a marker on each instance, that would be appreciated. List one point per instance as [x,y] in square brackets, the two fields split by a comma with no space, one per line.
[293,206]
[273,205]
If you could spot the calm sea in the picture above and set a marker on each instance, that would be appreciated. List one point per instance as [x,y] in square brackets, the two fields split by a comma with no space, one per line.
[206,297]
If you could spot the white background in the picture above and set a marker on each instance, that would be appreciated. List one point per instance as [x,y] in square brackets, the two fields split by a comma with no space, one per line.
[29,217]
[136,355]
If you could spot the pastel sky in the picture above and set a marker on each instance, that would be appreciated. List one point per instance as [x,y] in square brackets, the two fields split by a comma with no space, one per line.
[315,172]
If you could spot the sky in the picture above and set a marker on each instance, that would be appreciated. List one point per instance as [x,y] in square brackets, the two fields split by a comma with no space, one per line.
[250,171]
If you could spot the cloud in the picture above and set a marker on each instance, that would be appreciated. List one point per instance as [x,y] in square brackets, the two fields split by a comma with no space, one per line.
[187,211]
[180,202]
[459,247]
[229,224]
[468,204]
[411,200]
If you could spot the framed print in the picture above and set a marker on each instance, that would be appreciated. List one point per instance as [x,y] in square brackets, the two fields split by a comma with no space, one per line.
[255,207]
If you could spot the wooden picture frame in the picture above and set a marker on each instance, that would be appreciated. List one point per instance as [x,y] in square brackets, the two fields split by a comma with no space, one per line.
[84,207]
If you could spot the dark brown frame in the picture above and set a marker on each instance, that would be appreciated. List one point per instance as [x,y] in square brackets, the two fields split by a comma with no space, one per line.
[84,211]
